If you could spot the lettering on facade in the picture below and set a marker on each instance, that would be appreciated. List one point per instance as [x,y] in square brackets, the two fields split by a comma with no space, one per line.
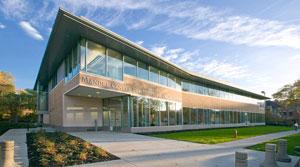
[135,88]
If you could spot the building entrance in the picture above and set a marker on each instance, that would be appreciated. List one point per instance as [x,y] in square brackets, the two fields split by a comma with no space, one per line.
[112,114]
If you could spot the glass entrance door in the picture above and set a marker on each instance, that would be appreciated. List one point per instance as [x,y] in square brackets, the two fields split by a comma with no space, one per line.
[112,113]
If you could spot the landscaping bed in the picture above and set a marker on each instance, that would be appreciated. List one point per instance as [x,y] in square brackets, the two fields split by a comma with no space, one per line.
[214,136]
[62,149]
[292,142]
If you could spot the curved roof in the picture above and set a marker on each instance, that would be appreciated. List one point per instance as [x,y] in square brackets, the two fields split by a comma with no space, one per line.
[68,29]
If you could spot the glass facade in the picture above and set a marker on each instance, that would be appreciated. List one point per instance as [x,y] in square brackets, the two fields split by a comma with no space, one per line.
[99,60]
[131,111]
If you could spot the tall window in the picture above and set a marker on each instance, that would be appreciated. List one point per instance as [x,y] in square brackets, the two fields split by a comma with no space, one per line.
[172,81]
[194,117]
[163,78]
[154,76]
[95,58]
[154,112]
[186,116]
[179,113]
[82,54]
[163,114]
[142,70]
[114,64]
[172,113]
[129,66]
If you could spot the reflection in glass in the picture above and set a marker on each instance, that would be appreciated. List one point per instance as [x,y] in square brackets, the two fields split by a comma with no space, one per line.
[172,113]
[163,114]
[142,70]
[163,78]
[95,58]
[154,76]
[114,65]
[186,116]
[154,112]
[130,66]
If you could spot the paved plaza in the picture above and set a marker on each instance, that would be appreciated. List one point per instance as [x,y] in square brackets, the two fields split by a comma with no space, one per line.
[140,150]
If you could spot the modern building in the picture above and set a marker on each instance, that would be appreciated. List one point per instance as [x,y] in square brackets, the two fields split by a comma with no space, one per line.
[91,76]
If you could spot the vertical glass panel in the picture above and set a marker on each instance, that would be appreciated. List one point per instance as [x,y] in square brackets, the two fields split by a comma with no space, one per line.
[179,113]
[185,86]
[178,83]
[142,112]
[163,114]
[186,116]
[154,76]
[154,112]
[194,116]
[207,116]
[201,118]
[130,66]
[212,117]
[125,112]
[95,58]
[172,81]
[135,112]
[82,54]
[114,65]
[163,78]
[172,113]
[142,70]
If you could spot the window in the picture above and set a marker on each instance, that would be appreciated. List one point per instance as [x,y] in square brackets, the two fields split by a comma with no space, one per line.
[172,81]
[186,116]
[142,71]
[172,113]
[95,59]
[143,112]
[129,66]
[200,116]
[178,83]
[114,65]
[163,78]
[194,116]
[154,112]
[163,114]
[179,113]
[82,54]
[154,76]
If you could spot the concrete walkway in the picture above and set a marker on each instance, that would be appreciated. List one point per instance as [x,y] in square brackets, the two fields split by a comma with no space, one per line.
[139,150]
[19,136]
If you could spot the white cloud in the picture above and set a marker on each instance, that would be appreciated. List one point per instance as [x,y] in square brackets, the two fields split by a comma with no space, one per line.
[30,30]
[139,42]
[223,70]
[159,50]
[193,61]
[2,26]
[14,8]
[187,18]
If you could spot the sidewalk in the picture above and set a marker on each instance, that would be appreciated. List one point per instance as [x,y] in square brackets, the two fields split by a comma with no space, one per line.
[140,150]
[19,136]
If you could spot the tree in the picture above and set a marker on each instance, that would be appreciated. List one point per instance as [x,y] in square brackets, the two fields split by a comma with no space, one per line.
[7,84]
[12,103]
[289,98]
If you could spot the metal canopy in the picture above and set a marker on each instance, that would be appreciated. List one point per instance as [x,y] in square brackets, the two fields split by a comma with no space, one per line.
[68,29]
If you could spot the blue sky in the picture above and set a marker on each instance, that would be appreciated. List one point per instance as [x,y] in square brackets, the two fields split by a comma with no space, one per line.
[251,43]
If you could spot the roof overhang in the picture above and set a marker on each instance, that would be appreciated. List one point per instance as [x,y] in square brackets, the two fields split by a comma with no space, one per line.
[68,29]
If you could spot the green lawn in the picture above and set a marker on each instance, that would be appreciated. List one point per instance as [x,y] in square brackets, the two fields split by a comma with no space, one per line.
[293,140]
[214,136]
